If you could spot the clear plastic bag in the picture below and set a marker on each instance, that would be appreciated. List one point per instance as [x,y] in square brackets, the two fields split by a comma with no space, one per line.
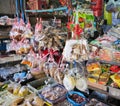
[106,54]
[76,50]
[116,56]
[50,66]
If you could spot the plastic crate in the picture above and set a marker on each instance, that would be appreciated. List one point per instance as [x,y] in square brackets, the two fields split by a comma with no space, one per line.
[40,82]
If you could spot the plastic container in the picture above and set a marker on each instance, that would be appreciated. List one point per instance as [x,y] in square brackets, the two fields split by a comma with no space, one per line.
[60,98]
[73,102]
[40,82]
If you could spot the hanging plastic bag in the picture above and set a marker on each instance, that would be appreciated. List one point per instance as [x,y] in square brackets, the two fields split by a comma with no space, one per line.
[50,66]
[107,16]
[59,75]
[76,50]
[69,82]
[81,82]
[106,54]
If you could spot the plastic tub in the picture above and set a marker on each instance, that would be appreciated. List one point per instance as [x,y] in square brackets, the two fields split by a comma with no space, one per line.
[60,98]
[73,102]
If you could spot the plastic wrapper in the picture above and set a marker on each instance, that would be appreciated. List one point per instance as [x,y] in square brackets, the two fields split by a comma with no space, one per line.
[59,75]
[81,84]
[69,82]
[114,32]
[6,98]
[104,77]
[75,78]
[114,69]
[80,79]
[12,46]
[20,47]
[23,46]
[23,91]
[104,41]
[48,37]
[50,66]
[94,52]
[37,73]
[92,79]
[5,20]
[18,90]
[17,30]
[95,102]
[105,67]
[107,38]
[93,66]
[28,32]
[116,45]
[18,77]
[76,50]
[106,54]
[31,59]
[116,78]
[7,71]
[116,56]
[96,73]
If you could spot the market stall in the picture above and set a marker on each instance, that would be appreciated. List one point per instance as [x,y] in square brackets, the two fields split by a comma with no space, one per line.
[68,61]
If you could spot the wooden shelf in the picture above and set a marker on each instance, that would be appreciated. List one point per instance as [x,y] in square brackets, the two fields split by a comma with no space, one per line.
[4,37]
[10,58]
[109,91]
[5,26]
[98,87]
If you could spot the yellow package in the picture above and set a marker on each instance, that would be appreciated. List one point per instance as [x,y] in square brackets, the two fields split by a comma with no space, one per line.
[116,78]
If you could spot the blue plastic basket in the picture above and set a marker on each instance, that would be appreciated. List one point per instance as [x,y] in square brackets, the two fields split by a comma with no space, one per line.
[72,101]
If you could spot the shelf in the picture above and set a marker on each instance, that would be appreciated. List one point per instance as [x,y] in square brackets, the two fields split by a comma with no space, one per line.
[110,91]
[98,87]
[11,58]
[4,37]
[106,62]
[5,26]
[112,63]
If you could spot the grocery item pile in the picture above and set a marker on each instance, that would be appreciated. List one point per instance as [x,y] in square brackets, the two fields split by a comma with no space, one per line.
[60,69]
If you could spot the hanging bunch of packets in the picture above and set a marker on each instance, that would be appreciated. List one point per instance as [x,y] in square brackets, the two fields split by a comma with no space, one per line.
[82,20]
[86,19]
[75,27]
